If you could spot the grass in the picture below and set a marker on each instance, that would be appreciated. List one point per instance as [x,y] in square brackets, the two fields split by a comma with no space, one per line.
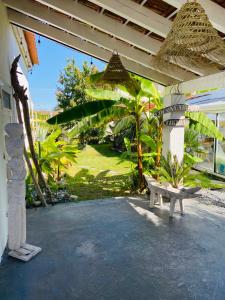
[98,173]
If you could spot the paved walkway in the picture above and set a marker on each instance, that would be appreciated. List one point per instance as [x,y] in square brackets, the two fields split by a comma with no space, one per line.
[118,249]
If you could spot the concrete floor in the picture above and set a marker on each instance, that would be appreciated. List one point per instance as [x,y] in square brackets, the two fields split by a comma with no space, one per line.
[118,249]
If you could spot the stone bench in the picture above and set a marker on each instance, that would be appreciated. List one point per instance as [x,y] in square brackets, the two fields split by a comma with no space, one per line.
[158,191]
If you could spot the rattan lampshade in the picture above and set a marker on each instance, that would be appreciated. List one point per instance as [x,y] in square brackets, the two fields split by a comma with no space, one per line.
[115,72]
[192,39]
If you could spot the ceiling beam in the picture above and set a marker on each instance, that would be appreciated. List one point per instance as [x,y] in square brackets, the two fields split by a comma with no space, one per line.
[214,11]
[112,27]
[137,14]
[71,41]
[98,38]
[104,23]
[215,81]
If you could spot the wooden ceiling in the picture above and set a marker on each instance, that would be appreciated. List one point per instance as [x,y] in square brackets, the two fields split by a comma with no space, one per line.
[158,6]
[220,2]
[129,24]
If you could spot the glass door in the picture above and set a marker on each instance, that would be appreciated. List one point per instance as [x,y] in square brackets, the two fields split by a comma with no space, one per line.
[220,147]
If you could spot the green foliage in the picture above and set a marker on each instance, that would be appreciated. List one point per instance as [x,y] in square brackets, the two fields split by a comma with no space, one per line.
[192,147]
[201,180]
[150,142]
[191,160]
[81,111]
[100,94]
[200,123]
[72,84]
[179,174]
[95,78]
[173,171]
[128,154]
[134,100]
[56,154]
[123,124]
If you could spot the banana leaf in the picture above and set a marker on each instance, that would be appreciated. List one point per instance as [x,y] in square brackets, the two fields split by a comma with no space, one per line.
[102,94]
[202,124]
[81,111]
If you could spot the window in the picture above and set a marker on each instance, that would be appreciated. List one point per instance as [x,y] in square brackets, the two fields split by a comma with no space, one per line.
[208,145]
[6,100]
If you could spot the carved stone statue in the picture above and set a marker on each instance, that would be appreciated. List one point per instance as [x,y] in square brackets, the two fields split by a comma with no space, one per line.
[16,174]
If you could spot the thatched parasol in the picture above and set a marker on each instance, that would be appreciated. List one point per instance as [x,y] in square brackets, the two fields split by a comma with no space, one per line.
[192,39]
[115,72]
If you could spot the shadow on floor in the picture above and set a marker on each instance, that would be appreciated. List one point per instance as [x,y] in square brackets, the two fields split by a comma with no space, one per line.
[119,249]
[104,185]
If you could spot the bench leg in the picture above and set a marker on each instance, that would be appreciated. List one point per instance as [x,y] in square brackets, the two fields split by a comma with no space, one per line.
[181,207]
[160,200]
[152,200]
[172,206]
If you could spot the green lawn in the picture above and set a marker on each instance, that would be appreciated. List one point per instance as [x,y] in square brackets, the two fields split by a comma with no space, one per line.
[98,173]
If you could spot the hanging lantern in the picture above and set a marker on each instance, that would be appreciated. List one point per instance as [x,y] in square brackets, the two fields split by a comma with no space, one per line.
[192,39]
[115,72]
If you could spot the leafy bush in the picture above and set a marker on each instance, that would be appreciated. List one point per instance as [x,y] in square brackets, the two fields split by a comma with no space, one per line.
[173,171]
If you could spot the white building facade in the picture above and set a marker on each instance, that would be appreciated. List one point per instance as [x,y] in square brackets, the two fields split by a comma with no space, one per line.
[12,43]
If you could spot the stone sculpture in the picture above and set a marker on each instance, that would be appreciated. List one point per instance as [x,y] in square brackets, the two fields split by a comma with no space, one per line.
[16,173]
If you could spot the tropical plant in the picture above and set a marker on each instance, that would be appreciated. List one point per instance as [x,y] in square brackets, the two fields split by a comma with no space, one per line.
[199,122]
[180,174]
[55,154]
[72,84]
[21,100]
[128,104]
[192,147]
[173,171]
[136,104]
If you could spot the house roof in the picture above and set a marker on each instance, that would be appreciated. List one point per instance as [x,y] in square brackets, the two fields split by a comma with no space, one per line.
[31,45]
[135,28]
[211,102]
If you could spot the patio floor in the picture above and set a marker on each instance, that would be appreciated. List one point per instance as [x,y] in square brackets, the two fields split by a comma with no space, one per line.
[118,249]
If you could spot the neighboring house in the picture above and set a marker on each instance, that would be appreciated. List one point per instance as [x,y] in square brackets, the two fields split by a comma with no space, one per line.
[13,41]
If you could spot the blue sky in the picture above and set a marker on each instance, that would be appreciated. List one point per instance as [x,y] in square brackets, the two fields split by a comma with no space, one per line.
[44,77]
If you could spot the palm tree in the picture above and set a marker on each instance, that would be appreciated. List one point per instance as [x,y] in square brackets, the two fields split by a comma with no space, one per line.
[133,103]
[128,104]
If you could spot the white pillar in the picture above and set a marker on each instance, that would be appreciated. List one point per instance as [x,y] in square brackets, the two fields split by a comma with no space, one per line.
[173,131]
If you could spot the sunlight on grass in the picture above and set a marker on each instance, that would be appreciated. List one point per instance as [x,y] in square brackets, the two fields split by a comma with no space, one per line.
[98,173]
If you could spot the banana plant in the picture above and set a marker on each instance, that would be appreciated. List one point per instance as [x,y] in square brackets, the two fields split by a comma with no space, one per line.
[56,154]
[192,147]
[126,104]
[135,102]
[199,122]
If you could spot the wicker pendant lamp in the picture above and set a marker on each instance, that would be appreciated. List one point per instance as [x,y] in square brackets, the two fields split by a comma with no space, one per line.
[192,39]
[115,72]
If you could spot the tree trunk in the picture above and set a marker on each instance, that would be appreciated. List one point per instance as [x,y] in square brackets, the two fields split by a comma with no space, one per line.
[40,166]
[20,94]
[37,187]
[32,150]
[139,153]
[159,146]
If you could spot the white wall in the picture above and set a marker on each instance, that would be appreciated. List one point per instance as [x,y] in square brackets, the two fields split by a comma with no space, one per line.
[8,51]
